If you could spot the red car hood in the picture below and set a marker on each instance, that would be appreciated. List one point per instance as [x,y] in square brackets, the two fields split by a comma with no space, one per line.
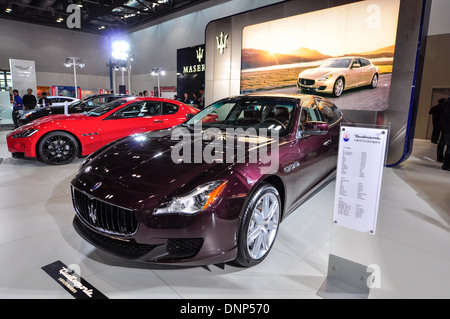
[54,118]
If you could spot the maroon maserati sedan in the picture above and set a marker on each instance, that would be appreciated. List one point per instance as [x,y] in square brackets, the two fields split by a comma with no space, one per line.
[214,189]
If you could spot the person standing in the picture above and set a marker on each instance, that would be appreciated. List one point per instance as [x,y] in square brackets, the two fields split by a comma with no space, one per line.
[44,101]
[445,122]
[186,99]
[201,99]
[195,100]
[29,100]
[435,112]
[17,107]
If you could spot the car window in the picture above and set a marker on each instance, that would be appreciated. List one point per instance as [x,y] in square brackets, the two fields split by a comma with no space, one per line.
[356,61]
[365,62]
[98,111]
[95,102]
[140,109]
[311,112]
[336,63]
[330,112]
[245,112]
[169,108]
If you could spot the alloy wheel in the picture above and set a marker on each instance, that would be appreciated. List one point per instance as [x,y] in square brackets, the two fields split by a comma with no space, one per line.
[58,149]
[374,81]
[263,226]
[338,87]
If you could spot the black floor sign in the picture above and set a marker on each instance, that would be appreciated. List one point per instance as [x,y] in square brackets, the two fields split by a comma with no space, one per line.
[72,282]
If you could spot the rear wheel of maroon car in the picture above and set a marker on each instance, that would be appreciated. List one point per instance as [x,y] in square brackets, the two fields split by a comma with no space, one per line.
[57,148]
[259,226]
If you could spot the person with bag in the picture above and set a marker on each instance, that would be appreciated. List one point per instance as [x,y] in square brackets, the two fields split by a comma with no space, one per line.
[17,108]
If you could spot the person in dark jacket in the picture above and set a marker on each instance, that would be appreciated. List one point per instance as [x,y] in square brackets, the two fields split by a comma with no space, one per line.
[17,106]
[29,100]
[436,115]
[44,101]
[446,132]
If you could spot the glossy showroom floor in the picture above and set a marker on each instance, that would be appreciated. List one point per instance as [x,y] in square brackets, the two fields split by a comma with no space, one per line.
[411,248]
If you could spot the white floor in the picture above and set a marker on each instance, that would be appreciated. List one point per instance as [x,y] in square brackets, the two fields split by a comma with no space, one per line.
[411,248]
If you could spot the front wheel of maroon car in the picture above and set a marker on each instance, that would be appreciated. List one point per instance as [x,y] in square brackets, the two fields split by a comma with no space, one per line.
[259,226]
[57,148]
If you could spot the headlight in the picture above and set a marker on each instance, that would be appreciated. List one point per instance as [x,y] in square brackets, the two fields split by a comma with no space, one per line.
[325,77]
[193,202]
[26,115]
[26,133]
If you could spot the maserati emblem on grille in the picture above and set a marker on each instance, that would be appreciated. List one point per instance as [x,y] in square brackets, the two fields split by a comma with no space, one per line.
[92,212]
[97,186]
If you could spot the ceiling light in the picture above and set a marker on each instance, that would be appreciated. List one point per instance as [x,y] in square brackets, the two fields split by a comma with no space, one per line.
[120,50]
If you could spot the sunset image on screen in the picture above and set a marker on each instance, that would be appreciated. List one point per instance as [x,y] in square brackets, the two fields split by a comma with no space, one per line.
[349,47]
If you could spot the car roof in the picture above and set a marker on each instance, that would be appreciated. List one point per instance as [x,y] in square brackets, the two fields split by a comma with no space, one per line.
[298,96]
[60,96]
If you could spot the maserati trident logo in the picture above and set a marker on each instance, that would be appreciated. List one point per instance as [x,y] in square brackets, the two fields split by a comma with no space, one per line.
[92,212]
[222,42]
[97,186]
[199,52]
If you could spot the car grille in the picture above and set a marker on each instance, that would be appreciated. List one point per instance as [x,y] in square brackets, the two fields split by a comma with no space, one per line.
[103,216]
[306,81]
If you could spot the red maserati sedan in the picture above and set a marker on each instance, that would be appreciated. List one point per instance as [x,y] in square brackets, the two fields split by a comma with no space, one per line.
[58,139]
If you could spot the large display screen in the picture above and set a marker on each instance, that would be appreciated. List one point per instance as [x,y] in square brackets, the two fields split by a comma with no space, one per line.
[344,53]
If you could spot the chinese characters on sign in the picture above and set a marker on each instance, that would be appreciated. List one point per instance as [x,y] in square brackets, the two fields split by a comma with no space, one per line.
[361,157]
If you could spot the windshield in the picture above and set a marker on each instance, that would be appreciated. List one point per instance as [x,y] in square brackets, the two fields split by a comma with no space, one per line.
[337,63]
[99,111]
[245,112]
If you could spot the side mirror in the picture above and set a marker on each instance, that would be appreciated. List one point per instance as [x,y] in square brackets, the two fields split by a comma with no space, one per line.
[117,115]
[314,128]
[356,66]
[189,116]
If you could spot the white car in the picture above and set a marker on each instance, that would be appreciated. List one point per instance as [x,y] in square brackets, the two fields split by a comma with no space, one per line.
[338,74]
[60,100]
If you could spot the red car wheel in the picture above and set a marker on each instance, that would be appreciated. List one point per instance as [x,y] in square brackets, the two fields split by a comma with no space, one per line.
[57,148]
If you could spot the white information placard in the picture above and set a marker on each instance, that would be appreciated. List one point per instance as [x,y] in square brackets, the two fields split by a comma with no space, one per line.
[361,158]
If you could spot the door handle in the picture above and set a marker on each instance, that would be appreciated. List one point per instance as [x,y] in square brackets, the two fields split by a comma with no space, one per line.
[327,143]
[157,121]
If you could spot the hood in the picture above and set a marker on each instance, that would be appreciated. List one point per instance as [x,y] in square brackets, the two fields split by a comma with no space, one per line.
[145,162]
[317,73]
[54,118]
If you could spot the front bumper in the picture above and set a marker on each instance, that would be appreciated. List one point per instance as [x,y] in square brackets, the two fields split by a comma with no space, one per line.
[315,86]
[206,238]
[23,146]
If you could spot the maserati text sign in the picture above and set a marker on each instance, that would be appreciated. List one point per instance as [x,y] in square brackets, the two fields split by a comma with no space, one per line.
[361,157]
